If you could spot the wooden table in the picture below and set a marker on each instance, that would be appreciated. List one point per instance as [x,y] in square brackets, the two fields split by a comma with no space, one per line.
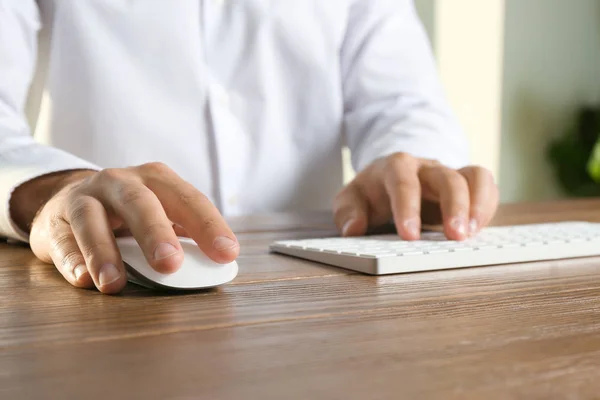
[290,329]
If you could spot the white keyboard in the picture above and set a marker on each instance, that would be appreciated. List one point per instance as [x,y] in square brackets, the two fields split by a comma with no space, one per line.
[388,254]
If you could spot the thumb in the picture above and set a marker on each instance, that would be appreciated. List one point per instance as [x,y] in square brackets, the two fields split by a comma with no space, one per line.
[350,211]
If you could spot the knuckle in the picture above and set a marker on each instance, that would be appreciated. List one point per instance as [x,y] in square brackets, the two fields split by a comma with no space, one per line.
[477,172]
[63,243]
[401,160]
[187,197]
[209,223]
[55,221]
[110,175]
[484,174]
[452,178]
[69,260]
[156,168]
[396,179]
[80,209]
[93,249]
[403,181]
[432,163]
[131,195]
[401,171]
[152,230]
[73,190]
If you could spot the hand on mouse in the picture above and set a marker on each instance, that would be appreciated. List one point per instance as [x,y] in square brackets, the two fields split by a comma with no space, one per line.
[414,191]
[79,212]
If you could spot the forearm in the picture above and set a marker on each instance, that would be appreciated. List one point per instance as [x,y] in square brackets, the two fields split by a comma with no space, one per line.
[28,198]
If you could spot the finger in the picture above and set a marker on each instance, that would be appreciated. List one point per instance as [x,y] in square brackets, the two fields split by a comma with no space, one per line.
[187,207]
[402,185]
[450,189]
[483,197]
[350,212]
[64,253]
[145,218]
[91,228]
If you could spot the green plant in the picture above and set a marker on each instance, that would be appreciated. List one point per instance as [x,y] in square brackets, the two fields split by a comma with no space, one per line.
[575,156]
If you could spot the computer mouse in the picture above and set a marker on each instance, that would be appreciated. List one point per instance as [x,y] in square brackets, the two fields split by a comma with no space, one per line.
[197,271]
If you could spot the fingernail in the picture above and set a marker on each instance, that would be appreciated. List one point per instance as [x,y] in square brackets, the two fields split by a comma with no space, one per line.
[458,224]
[473,226]
[223,243]
[347,225]
[108,274]
[164,250]
[412,226]
[78,271]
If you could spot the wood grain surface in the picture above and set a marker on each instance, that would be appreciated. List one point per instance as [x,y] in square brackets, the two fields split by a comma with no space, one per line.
[292,329]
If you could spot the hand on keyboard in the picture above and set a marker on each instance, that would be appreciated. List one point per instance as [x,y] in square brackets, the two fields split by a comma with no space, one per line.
[395,187]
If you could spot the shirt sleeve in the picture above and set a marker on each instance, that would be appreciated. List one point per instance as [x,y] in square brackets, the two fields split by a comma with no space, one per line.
[393,98]
[21,158]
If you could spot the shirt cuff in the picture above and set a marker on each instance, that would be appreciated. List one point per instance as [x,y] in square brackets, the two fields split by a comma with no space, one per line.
[23,164]
[453,153]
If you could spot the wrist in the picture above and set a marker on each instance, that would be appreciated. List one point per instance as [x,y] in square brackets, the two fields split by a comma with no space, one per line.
[28,198]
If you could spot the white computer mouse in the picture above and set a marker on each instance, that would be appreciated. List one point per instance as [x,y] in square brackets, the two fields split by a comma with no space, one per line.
[197,271]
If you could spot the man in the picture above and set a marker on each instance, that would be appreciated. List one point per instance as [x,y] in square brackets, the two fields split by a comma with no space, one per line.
[168,114]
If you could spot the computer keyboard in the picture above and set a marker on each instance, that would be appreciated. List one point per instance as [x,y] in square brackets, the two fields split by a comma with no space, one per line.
[388,254]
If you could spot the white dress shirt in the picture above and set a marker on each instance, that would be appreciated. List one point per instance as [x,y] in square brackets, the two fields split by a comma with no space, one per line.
[249,100]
